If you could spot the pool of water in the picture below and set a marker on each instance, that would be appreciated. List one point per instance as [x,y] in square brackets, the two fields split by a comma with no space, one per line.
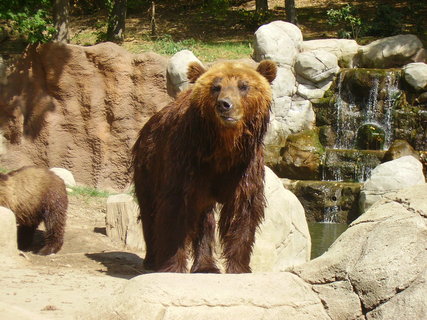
[323,235]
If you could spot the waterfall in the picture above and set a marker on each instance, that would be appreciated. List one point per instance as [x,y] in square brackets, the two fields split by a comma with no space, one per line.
[364,104]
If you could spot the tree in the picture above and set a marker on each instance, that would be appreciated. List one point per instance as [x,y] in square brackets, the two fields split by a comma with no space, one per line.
[61,9]
[261,5]
[291,12]
[116,21]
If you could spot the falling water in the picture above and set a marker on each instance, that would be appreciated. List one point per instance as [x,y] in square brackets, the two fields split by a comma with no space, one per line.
[330,214]
[393,93]
[352,113]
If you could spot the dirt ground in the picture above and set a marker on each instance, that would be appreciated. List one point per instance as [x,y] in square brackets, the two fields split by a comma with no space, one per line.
[88,268]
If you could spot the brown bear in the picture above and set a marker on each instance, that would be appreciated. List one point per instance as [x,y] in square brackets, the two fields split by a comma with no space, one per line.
[205,148]
[36,195]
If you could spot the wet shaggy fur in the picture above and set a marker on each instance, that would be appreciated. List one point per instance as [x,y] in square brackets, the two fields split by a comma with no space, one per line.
[205,148]
[36,195]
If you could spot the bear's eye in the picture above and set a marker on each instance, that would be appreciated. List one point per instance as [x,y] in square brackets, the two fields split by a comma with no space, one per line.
[216,88]
[243,86]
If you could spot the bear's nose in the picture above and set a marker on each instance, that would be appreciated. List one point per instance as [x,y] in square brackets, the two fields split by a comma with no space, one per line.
[224,105]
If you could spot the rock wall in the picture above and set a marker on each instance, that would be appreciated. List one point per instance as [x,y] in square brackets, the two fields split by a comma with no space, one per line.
[375,270]
[80,108]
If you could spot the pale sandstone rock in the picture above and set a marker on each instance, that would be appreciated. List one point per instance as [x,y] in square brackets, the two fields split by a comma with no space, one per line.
[390,52]
[220,297]
[375,270]
[65,175]
[316,65]
[343,49]
[416,75]
[177,71]
[279,41]
[282,240]
[391,176]
[8,232]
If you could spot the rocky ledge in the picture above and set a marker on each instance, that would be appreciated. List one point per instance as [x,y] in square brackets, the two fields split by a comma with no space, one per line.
[375,270]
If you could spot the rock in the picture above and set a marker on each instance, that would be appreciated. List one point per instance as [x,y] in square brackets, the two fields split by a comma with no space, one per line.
[378,264]
[313,91]
[177,71]
[8,232]
[285,84]
[168,296]
[65,175]
[391,176]
[398,149]
[283,239]
[279,41]
[375,270]
[301,156]
[415,75]
[122,223]
[288,117]
[343,49]
[390,52]
[317,65]
[70,106]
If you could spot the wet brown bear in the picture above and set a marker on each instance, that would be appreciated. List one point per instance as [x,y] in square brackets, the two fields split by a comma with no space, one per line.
[36,195]
[205,148]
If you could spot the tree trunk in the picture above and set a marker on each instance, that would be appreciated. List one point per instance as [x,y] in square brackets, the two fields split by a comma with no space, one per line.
[61,10]
[261,5]
[291,12]
[116,21]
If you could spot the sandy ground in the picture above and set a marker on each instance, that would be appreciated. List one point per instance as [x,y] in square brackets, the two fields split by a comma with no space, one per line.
[89,268]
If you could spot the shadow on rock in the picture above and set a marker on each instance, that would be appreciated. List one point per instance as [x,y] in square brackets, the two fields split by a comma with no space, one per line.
[119,264]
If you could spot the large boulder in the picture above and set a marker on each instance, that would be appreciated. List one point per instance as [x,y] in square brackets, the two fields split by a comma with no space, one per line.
[80,108]
[317,65]
[390,176]
[177,71]
[279,41]
[390,52]
[282,240]
[344,49]
[301,156]
[400,148]
[375,270]
[65,175]
[8,233]
[415,75]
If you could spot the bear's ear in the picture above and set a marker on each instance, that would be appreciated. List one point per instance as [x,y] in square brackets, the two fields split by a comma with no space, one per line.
[268,69]
[195,70]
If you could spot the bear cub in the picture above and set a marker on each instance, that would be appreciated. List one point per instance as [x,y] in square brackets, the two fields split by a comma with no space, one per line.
[36,195]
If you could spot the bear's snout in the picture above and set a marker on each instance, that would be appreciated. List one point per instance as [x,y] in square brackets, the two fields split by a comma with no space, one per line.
[224,105]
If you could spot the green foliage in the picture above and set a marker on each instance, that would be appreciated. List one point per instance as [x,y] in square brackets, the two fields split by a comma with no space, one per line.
[89,192]
[166,45]
[347,20]
[387,22]
[253,19]
[29,19]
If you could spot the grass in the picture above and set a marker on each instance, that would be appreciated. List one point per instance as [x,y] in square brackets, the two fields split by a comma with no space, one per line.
[165,45]
[88,192]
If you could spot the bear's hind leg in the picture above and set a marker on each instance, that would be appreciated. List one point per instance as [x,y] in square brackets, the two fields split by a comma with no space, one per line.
[25,236]
[204,261]
[54,218]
